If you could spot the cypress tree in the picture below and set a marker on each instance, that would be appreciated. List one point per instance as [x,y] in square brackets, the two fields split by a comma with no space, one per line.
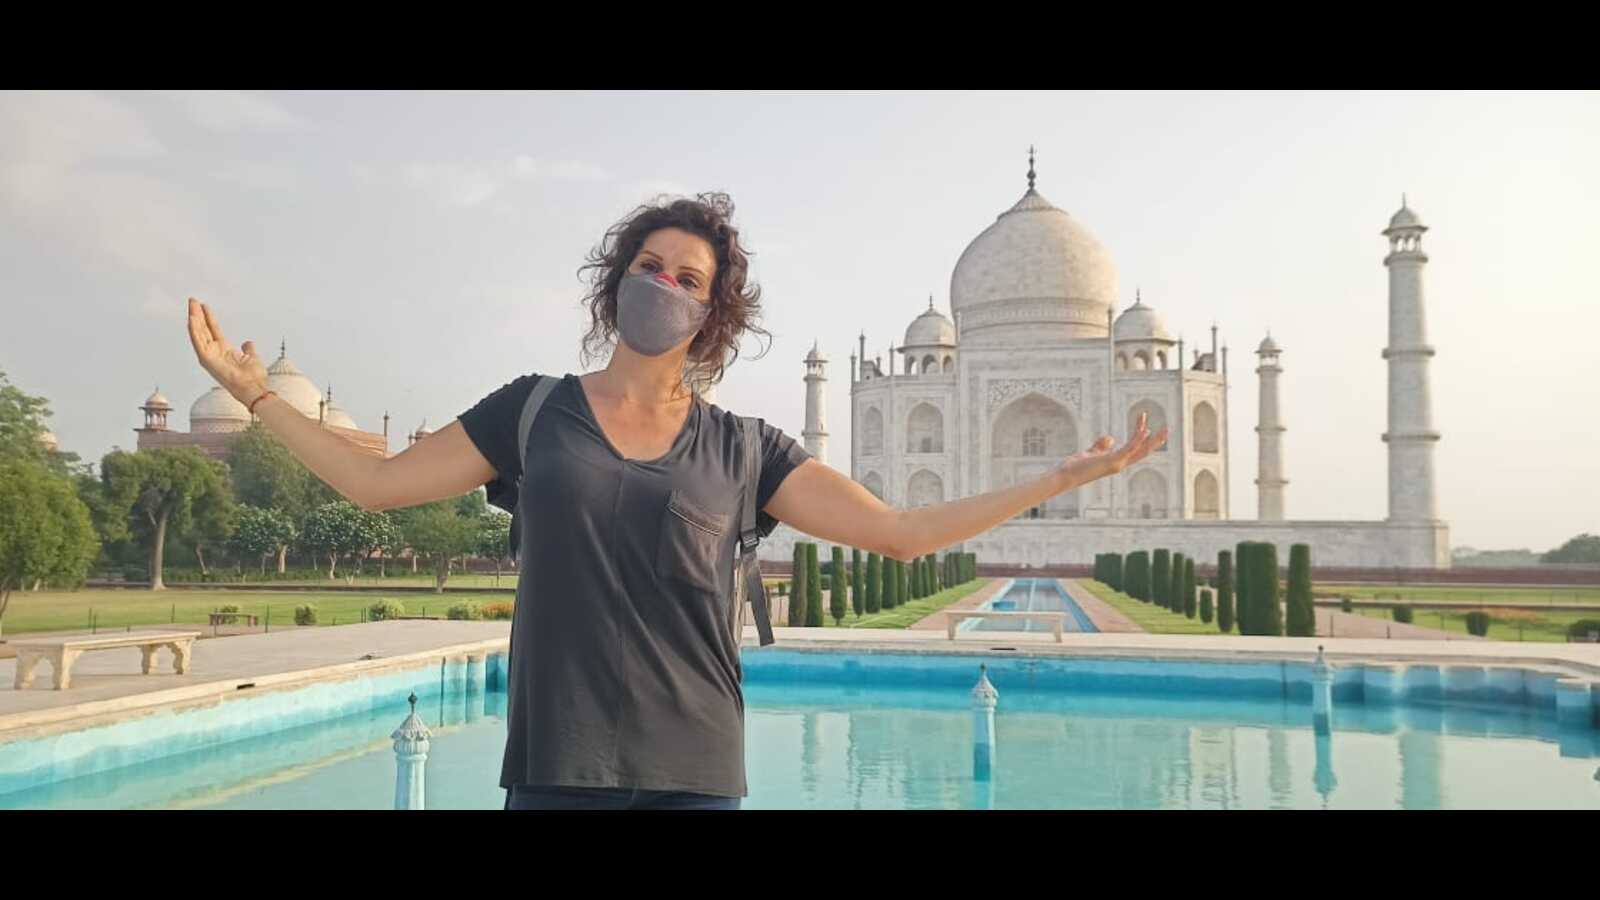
[1160,576]
[904,595]
[1114,562]
[886,584]
[857,581]
[813,588]
[1224,581]
[1242,574]
[1205,604]
[1175,593]
[1190,604]
[1269,614]
[841,588]
[935,583]
[797,587]
[1138,575]
[1302,618]
[874,583]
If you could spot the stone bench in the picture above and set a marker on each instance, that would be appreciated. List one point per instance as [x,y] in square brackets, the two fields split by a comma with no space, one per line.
[229,618]
[62,652]
[954,617]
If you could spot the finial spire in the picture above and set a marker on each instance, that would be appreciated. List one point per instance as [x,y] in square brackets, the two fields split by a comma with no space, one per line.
[1137,297]
[1030,167]
[930,301]
[283,347]
[1402,199]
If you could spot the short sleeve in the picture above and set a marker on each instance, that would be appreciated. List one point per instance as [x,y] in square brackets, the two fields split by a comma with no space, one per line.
[491,424]
[780,455]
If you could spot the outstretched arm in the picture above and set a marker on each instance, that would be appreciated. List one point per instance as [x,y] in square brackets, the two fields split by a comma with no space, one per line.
[821,501]
[447,464]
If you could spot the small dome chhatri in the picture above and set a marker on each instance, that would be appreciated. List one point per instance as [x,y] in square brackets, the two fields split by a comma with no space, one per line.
[930,329]
[1406,219]
[1140,323]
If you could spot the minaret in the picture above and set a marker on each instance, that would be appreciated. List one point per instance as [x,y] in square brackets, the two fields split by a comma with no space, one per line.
[1269,474]
[1410,437]
[815,433]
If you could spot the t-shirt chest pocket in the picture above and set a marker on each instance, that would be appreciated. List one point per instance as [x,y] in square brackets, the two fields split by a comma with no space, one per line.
[692,538]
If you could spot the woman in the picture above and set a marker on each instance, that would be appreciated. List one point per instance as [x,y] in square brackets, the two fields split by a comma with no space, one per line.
[624,687]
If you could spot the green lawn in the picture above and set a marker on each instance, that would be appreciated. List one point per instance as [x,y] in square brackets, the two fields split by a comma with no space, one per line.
[901,616]
[400,578]
[1485,595]
[1148,616]
[1504,624]
[69,610]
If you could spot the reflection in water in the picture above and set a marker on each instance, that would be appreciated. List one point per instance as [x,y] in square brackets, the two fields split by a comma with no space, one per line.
[1420,784]
[1279,782]
[1323,779]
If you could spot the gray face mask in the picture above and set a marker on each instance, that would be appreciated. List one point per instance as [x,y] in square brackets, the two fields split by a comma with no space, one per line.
[653,316]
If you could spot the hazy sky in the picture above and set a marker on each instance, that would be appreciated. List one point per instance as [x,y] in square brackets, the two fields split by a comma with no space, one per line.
[418,250]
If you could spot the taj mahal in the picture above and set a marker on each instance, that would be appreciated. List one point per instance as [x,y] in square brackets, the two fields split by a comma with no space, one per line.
[1034,362]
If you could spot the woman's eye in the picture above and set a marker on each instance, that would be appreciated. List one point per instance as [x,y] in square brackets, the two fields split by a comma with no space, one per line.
[648,266]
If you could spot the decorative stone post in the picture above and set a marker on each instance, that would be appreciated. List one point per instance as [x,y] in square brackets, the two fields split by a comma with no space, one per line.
[411,758]
[1321,694]
[984,700]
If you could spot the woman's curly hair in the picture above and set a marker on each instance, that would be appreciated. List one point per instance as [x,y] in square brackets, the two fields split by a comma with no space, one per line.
[735,300]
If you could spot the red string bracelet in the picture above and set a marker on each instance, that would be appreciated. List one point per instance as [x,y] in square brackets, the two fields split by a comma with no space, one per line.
[252,406]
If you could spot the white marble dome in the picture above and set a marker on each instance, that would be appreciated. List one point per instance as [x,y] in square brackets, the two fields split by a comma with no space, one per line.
[217,411]
[1405,218]
[292,386]
[931,329]
[1036,275]
[157,400]
[1140,323]
[336,416]
[1268,345]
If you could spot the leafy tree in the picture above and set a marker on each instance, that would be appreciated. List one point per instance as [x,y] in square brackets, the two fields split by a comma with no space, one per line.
[262,532]
[334,529]
[45,531]
[1585,548]
[150,493]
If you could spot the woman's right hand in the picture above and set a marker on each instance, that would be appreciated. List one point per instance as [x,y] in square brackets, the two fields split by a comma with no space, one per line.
[239,371]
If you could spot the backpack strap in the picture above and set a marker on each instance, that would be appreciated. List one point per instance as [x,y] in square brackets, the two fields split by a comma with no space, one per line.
[530,410]
[749,534]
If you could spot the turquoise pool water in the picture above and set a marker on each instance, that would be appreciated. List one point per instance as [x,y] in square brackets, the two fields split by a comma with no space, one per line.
[875,731]
[1032,595]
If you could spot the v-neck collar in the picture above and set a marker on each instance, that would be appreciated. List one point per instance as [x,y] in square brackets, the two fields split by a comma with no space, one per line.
[689,422]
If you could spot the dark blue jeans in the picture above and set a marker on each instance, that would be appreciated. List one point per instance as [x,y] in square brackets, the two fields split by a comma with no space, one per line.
[559,797]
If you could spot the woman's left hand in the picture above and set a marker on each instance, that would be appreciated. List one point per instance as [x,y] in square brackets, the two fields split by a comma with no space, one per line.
[1101,460]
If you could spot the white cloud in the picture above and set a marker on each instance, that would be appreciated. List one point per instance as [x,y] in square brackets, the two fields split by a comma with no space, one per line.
[235,111]
[650,188]
[267,176]
[50,181]
[527,167]
[62,129]
[471,184]
[456,184]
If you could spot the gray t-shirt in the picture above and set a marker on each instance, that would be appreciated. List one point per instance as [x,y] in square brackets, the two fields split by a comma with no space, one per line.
[624,664]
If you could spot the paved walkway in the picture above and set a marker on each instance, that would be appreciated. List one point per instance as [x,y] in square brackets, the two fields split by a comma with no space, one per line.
[108,683]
